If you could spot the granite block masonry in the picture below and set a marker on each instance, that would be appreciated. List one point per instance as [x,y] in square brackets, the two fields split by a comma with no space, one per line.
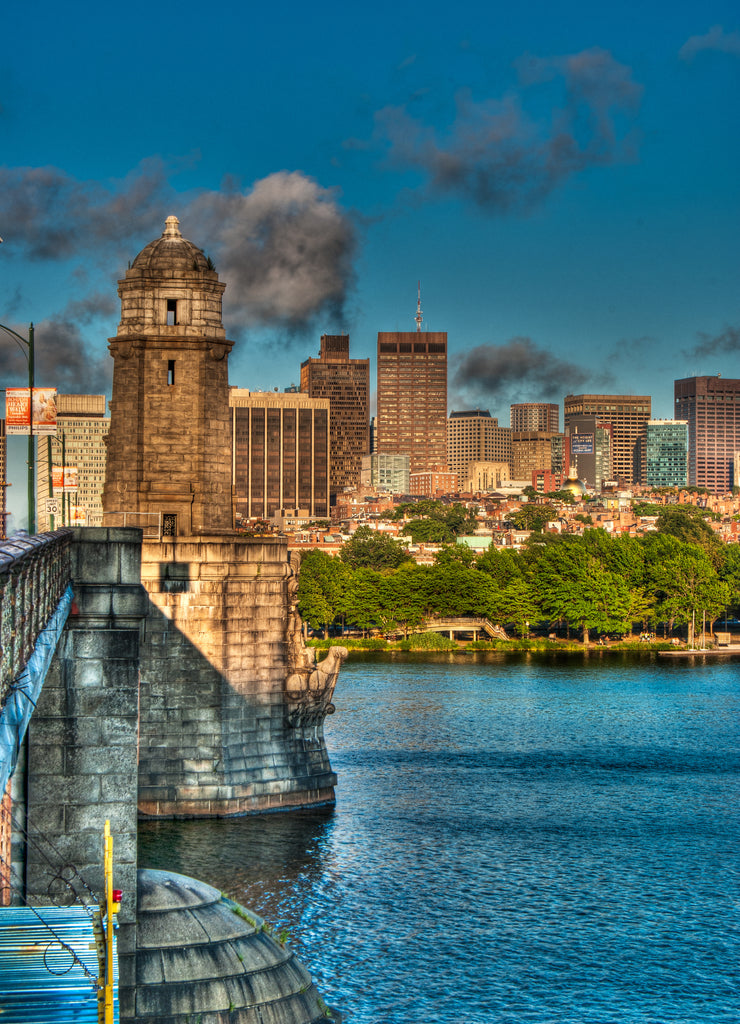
[232,704]
[80,765]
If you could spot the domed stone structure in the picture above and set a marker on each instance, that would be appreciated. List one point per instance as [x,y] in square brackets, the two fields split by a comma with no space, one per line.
[171,252]
[574,485]
[202,957]
[232,704]
[169,446]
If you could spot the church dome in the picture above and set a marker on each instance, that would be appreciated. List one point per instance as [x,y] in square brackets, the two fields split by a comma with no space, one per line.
[171,252]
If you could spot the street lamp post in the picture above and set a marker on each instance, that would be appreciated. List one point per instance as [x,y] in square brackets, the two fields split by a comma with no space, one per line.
[28,353]
[63,442]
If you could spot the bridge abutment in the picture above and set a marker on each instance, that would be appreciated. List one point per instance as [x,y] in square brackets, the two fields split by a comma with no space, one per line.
[82,739]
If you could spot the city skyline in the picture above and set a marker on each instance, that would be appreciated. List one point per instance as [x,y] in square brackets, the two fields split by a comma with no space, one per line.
[562,181]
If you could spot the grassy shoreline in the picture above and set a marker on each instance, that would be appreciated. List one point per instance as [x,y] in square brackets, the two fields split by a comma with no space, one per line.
[423,643]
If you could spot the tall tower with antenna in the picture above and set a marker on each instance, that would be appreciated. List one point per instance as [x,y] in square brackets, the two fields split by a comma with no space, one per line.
[412,395]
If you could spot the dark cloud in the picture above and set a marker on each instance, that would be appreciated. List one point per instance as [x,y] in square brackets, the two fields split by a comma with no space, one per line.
[501,158]
[97,306]
[725,343]
[52,216]
[285,248]
[519,370]
[715,40]
[62,358]
[65,361]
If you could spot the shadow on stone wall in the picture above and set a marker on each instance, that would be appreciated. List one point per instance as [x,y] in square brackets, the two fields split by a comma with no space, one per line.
[217,744]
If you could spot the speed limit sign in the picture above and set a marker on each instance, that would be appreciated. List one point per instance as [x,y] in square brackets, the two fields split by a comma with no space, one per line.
[52,507]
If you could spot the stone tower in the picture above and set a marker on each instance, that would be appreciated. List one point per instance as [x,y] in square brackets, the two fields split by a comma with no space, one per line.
[232,704]
[169,449]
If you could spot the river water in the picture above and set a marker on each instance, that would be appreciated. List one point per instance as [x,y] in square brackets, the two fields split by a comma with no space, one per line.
[516,839]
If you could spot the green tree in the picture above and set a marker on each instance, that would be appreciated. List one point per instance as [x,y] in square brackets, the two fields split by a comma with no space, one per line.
[534,517]
[322,584]
[372,549]
[428,531]
[573,585]
[517,604]
[688,585]
[501,564]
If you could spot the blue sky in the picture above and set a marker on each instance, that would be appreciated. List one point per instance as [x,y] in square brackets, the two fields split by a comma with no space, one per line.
[562,178]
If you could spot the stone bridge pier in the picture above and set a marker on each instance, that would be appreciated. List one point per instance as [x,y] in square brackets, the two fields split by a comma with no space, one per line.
[81,753]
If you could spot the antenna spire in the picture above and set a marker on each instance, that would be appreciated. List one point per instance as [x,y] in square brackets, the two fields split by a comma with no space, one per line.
[418,316]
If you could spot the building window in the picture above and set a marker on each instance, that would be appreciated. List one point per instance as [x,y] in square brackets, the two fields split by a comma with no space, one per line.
[169,524]
[170,371]
[171,312]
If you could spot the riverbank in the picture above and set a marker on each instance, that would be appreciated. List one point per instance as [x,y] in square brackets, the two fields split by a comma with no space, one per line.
[433,642]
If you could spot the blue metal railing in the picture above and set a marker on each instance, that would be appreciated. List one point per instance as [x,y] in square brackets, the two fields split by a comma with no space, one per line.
[34,575]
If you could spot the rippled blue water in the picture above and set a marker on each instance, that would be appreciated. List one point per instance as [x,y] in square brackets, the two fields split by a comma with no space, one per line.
[531,839]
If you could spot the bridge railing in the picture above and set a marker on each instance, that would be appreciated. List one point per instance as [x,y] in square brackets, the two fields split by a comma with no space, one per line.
[34,573]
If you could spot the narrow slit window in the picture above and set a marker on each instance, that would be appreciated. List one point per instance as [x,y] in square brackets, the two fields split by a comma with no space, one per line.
[171,312]
[170,371]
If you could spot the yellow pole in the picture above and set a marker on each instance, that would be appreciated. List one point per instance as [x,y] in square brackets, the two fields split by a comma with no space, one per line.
[108,874]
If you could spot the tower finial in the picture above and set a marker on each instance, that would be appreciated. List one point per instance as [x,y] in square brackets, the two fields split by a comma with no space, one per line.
[418,316]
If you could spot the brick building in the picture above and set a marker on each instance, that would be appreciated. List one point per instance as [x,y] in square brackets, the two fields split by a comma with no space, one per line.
[412,397]
[346,383]
[711,405]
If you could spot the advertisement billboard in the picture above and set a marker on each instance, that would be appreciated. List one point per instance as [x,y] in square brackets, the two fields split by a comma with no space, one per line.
[64,479]
[581,444]
[78,516]
[18,411]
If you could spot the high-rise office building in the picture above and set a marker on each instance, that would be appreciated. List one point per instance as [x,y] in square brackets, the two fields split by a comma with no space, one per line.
[475,436]
[588,445]
[540,416]
[711,405]
[412,397]
[281,453]
[532,450]
[82,427]
[346,383]
[628,416]
[667,453]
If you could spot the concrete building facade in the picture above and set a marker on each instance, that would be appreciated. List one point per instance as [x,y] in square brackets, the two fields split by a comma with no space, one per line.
[412,397]
[486,476]
[628,416]
[475,436]
[711,406]
[539,416]
[281,453]
[345,383]
[80,442]
[667,453]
